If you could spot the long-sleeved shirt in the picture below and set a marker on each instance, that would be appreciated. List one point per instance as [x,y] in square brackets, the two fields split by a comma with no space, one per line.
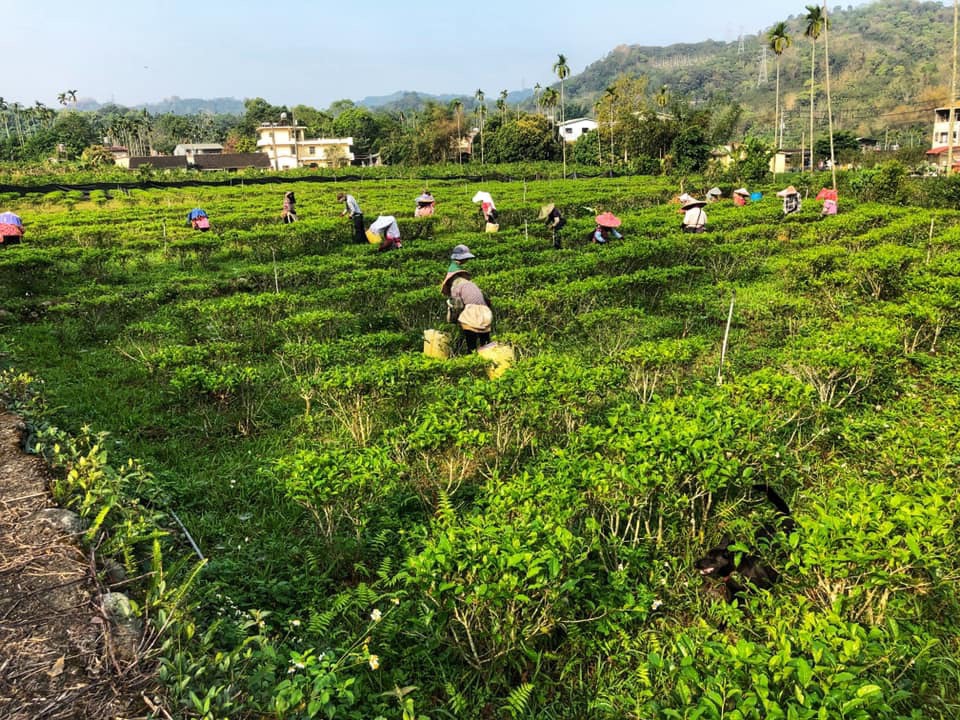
[467,291]
[694,218]
[352,206]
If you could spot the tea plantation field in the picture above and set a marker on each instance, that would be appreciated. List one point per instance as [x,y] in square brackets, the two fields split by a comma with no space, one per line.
[390,535]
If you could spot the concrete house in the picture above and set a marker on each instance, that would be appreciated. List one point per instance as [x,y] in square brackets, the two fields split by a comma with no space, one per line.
[288,147]
[940,140]
[571,130]
[192,149]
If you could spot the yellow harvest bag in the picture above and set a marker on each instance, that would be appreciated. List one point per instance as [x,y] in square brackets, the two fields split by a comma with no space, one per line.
[373,238]
[501,357]
[436,344]
[493,227]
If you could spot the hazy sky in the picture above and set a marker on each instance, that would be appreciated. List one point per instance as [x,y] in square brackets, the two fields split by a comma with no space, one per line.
[317,51]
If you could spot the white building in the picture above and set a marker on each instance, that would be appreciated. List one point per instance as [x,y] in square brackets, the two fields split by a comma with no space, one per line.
[287,147]
[191,149]
[939,143]
[571,130]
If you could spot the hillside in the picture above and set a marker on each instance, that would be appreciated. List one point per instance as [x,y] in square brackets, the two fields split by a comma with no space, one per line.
[889,64]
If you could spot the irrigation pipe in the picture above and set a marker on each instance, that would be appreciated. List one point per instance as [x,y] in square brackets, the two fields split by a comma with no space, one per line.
[187,533]
[726,335]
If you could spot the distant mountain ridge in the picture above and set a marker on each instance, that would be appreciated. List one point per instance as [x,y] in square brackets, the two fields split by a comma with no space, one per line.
[413,100]
[176,105]
[889,64]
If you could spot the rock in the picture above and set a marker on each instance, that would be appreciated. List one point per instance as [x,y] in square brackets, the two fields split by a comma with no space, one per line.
[65,520]
[125,626]
[113,572]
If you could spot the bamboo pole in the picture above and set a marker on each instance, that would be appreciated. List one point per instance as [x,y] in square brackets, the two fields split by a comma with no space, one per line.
[726,336]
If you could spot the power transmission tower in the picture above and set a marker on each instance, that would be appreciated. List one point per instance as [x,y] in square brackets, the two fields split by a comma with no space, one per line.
[740,48]
[762,76]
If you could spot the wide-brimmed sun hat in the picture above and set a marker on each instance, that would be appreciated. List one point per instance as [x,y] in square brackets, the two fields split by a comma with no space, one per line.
[742,191]
[545,211]
[788,191]
[693,203]
[445,285]
[461,252]
[715,191]
[684,198]
[608,219]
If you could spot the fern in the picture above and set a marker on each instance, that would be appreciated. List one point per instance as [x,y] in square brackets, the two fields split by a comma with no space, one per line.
[519,699]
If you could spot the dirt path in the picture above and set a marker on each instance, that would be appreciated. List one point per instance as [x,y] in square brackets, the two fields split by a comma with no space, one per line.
[55,655]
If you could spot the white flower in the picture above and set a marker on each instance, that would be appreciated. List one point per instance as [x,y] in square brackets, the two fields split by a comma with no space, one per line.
[655,605]
[295,623]
[395,601]
[375,616]
[374,662]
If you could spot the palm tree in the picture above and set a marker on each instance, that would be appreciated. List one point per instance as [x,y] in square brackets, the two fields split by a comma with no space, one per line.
[73,96]
[502,105]
[826,60]
[779,41]
[611,94]
[536,96]
[478,96]
[457,107]
[3,114]
[549,99]
[562,71]
[816,22]
[62,98]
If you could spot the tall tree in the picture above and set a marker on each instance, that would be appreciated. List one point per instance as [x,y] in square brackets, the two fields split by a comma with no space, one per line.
[3,114]
[536,96]
[550,99]
[457,107]
[478,96]
[502,105]
[562,71]
[62,98]
[73,97]
[779,40]
[816,21]
[826,61]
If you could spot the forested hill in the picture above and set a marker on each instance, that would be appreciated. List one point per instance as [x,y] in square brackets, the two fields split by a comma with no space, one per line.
[889,63]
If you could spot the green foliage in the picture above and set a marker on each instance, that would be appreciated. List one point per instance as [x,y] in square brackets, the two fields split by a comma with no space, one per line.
[391,535]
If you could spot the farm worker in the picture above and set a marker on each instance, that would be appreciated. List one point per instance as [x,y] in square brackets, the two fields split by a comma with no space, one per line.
[487,207]
[694,218]
[554,221]
[606,228]
[11,229]
[829,198]
[198,220]
[289,207]
[714,194]
[385,226]
[352,210]
[459,256]
[468,307]
[425,205]
[791,200]
[741,196]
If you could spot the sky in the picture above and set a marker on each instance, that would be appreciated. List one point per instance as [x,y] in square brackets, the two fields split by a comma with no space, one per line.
[313,52]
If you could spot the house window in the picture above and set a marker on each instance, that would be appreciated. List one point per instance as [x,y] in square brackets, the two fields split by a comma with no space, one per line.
[568,131]
[312,150]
